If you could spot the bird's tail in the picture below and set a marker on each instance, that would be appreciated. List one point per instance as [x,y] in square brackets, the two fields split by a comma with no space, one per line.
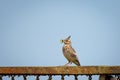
[77,63]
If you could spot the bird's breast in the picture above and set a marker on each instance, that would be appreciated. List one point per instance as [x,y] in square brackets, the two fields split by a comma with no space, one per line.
[65,48]
[66,52]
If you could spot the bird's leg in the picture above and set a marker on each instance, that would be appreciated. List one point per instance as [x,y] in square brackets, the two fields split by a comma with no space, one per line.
[68,64]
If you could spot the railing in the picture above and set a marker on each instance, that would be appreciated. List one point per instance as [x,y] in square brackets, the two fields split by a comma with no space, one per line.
[60,70]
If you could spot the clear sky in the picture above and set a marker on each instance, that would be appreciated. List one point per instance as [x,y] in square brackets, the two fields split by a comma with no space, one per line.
[30,31]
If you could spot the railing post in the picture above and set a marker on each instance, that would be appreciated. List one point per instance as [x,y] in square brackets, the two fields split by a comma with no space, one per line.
[50,77]
[62,77]
[37,77]
[89,77]
[25,77]
[0,77]
[12,77]
[76,77]
[118,77]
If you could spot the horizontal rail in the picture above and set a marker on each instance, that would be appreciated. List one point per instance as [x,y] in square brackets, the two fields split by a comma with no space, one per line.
[61,70]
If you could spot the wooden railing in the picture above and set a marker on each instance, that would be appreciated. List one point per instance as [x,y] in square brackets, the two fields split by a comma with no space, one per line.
[59,70]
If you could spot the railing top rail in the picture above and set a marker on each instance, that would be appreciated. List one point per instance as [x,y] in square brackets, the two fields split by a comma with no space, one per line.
[60,70]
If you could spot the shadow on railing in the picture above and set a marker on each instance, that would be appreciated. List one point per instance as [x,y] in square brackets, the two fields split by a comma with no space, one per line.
[105,72]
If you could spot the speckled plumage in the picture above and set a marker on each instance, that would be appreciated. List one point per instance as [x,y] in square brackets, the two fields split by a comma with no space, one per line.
[69,52]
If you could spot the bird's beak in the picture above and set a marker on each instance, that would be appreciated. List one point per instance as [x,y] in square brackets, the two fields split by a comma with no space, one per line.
[61,41]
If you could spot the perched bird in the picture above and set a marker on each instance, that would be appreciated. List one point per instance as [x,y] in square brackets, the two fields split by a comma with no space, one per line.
[69,52]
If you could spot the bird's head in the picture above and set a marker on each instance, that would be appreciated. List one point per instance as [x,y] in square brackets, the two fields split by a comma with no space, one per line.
[66,41]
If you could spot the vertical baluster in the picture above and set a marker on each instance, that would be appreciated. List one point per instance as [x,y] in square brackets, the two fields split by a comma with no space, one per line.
[25,77]
[62,77]
[76,77]
[90,77]
[37,77]
[12,77]
[0,77]
[118,77]
[50,77]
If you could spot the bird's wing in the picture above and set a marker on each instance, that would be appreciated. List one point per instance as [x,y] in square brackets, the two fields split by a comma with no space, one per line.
[73,52]
[74,57]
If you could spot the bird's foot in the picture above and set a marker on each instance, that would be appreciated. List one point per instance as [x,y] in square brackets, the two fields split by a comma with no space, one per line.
[68,64]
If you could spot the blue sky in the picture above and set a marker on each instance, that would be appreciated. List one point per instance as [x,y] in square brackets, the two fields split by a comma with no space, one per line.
[30,31]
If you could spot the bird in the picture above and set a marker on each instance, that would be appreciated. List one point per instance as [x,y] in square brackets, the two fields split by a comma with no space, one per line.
[69,52]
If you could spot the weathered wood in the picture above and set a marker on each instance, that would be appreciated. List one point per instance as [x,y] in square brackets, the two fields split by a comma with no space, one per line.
[61,70]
